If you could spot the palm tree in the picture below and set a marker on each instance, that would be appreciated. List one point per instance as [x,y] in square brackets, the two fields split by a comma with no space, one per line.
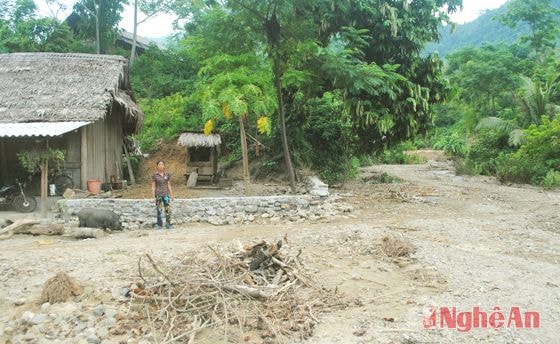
[537,98]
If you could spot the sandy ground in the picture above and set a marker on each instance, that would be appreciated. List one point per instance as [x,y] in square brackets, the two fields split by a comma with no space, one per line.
[478,243]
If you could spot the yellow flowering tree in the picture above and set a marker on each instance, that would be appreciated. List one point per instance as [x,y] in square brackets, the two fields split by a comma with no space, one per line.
[237,88]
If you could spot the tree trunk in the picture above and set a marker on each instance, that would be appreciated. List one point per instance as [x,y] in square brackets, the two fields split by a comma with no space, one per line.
[272,27]
[18,224]
[244,151]
[134,34]
[278,85]
[44,171]
[97,43]
[129,166]
[32,227]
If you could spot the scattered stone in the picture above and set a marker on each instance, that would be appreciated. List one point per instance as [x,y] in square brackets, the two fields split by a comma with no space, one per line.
[109,322]
[65,310]
[251,209]
[111,312]
[27,316]
[359,332]
[99,310]
[120,294]
[102,332]
[93,339]
[45,307]
[317,187]
[20,302]
[38,319]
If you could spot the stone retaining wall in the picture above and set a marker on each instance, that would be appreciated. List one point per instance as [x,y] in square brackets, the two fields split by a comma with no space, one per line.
[137,213]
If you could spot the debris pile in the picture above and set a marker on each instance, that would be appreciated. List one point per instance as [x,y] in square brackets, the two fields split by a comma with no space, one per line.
[394,248]
[60,288]
[248,292]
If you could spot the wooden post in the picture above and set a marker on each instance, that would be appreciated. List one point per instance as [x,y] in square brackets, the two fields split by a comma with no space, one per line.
[244,151]
[3,161]
[83,158]
[130,172]
[44,172]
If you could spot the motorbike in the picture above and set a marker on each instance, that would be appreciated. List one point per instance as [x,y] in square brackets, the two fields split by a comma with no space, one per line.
[13,195]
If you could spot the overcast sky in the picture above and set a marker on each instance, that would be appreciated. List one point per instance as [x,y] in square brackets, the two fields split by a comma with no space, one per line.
[162,25]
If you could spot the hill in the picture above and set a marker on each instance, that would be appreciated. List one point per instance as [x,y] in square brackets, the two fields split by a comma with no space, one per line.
[485,29]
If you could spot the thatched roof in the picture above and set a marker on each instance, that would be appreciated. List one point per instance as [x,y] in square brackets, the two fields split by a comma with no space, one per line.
[53,87]
[199,140]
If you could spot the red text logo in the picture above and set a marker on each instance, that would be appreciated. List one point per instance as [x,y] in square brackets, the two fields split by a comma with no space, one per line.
[450,318]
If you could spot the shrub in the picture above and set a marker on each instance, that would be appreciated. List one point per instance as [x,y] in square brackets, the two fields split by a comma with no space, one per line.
[552,180]
[482,155]
[396,155]
[366,160]
[452,142]
[519,168]
[165,118]
[324,140]
[537,159]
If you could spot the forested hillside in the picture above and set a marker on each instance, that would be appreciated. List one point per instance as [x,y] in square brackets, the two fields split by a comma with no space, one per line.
[485,29]
[502,117]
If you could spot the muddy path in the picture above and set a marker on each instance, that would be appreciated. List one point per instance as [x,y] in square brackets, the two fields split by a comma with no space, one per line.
[478,243]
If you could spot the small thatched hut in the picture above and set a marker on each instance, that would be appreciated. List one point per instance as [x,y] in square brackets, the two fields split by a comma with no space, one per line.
[79,103]
[202,153]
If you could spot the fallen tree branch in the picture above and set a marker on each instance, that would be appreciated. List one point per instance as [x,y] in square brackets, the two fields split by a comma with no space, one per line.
[158,270]
[18,224]
[31,227]
[245,290]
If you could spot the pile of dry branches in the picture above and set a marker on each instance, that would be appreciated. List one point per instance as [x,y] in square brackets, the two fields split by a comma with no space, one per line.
[251,291]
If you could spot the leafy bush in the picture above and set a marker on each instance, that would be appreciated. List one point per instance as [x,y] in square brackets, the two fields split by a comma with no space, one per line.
[167,117]
[519,168]
[31,160]
[324,141]
[482,155]
[393,156]
[366,160]
[552,180]
[354,170]
[452,142]
[384,178]
[535,159]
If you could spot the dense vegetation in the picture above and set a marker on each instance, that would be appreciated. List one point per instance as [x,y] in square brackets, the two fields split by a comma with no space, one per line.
[506,99]
[338,80]
[327,85]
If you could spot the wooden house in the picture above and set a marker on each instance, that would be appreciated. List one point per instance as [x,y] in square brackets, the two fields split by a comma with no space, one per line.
[80,103]
[202,154]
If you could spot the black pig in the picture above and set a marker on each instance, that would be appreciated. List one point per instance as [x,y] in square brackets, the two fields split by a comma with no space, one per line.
[99,218]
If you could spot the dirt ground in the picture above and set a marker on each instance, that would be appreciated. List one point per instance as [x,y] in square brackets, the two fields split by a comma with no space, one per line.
[478,243]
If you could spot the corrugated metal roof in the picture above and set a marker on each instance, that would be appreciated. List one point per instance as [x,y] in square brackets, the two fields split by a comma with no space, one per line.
[38,128]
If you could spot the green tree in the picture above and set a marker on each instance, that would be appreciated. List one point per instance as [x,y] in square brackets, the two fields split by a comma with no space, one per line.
[160,73]
[543,20]
[150,8]
[165,118]
[487,77]
[99,21]
[370,51]
[237,87]
[22,31]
